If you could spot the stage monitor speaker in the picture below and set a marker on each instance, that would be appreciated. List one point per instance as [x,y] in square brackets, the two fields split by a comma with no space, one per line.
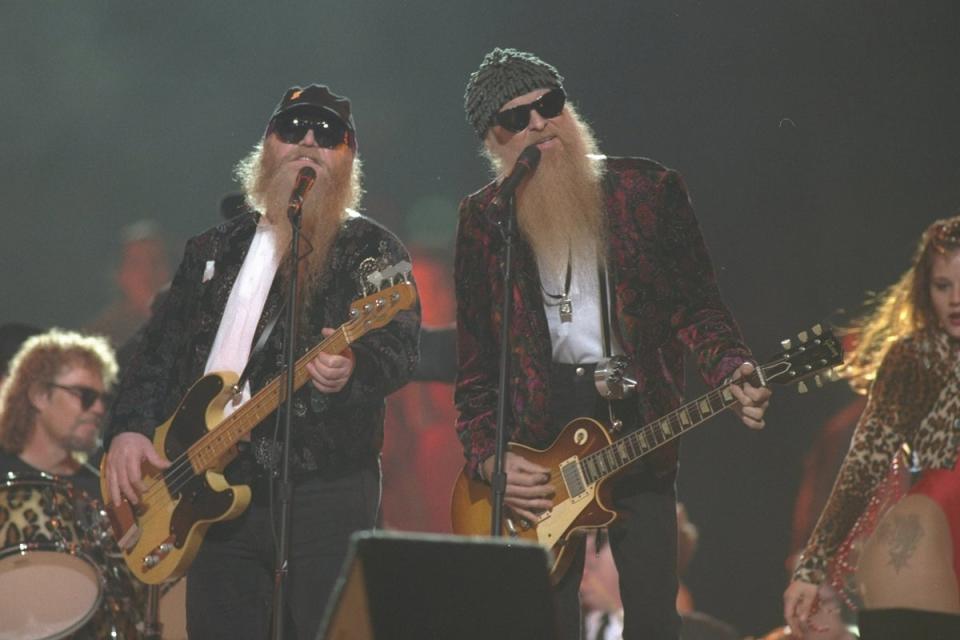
[425,586]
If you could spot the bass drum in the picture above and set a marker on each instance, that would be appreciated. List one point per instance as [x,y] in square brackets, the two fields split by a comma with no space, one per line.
[119,615]
[50,583]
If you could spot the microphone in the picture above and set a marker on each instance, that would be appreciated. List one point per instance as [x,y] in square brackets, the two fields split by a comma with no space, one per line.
[526,164]
[305,179]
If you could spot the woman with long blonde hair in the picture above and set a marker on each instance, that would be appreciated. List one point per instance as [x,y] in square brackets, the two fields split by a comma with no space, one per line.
[908,356]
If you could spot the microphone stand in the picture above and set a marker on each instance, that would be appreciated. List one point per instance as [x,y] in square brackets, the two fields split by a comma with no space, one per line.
[498,480]
[285,488]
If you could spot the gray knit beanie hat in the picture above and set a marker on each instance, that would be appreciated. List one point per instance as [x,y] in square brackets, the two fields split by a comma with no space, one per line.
[503,75]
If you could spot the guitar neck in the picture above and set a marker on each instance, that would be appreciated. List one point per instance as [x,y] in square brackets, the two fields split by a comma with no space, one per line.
[207,451]
[814,354]
[633,446]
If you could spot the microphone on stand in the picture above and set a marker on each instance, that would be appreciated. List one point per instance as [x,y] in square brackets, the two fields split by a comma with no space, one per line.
[305,179]
[525,165]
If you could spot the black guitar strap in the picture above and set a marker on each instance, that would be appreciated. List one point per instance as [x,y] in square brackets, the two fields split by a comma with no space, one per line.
[605,306]
[256,354]
[606,328]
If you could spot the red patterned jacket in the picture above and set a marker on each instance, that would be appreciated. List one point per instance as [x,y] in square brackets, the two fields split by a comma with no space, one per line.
[666,299]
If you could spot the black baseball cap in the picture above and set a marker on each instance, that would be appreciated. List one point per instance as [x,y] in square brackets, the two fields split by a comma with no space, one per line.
[317,96]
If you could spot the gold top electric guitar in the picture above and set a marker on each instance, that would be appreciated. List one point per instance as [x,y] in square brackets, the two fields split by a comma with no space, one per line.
[584,457]
[161,534]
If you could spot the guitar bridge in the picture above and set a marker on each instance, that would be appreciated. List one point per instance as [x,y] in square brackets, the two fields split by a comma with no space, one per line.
[159,552]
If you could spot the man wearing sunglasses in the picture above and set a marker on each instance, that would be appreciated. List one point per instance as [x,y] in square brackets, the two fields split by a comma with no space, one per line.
[230,287]
[608,261]
[52,406]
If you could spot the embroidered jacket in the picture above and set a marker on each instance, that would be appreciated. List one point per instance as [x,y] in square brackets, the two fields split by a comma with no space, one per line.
[914,400]
[332,433]
[666,299]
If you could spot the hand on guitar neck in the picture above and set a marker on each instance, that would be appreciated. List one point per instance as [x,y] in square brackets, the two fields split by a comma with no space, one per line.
[752,400]
[528,491]
[330,372]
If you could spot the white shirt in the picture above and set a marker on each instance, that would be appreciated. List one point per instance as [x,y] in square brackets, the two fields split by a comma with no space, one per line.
[593,620]
[231,347]
[580,340]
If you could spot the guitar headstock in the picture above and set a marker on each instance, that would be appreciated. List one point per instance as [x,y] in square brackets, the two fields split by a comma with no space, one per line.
[387,293]
[813,354]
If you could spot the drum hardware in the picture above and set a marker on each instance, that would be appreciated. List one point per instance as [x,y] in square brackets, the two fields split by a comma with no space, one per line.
[152,627]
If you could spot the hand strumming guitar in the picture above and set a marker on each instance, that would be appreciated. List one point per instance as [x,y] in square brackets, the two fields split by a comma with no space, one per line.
[128,451]
[528,490]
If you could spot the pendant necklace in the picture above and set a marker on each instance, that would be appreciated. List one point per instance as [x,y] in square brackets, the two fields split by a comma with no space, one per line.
[566,305]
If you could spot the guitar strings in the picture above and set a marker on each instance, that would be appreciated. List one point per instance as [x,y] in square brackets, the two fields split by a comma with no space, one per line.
[648,432]
[180,471]
[182,461]
[176,477]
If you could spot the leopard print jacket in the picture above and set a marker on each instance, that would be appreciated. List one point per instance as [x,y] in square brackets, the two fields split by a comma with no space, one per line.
[914,400]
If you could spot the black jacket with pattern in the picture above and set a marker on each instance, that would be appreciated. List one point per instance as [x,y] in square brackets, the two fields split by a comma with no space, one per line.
[332,434]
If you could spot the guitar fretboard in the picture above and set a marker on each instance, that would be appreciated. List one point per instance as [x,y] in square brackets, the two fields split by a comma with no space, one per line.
[632,446]
[209,449]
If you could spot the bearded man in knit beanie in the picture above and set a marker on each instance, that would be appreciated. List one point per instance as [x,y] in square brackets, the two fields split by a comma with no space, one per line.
[226,311]
[609,261]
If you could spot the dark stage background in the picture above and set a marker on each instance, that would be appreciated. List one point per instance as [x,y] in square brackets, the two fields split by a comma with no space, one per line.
[818,139]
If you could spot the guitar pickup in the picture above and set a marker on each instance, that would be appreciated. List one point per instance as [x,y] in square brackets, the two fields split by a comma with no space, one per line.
[573,478]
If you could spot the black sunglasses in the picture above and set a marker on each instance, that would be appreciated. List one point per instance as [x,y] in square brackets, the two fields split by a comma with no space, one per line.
[86,395]
[549,105]
[328,130]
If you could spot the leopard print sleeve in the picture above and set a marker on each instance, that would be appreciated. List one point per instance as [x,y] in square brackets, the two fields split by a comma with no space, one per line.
[901,396]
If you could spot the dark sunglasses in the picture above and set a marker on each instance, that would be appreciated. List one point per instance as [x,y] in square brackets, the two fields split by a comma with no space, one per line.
[328,130]
[549,105]
[86,395]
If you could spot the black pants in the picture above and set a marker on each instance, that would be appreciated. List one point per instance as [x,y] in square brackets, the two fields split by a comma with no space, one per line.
[915,624]
[643,538]
[230,584]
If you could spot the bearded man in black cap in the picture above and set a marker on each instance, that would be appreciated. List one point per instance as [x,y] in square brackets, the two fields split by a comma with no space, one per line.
[591,229]
[230,288]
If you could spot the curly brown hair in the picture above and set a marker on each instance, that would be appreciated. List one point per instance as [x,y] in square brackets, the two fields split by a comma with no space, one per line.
[902,309]
[37,362]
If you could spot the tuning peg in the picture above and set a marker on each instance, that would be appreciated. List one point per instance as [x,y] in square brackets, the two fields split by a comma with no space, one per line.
[817,329]
[374,278]
[388,274]
[802,387]
[403,269]
[786,344]
[818,380]
[802,336]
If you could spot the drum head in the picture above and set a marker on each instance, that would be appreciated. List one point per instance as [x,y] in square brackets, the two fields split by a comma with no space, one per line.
[45,594]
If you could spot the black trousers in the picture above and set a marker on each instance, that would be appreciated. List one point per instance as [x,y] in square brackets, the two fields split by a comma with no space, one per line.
[230,584]
[643,538]
[915,624]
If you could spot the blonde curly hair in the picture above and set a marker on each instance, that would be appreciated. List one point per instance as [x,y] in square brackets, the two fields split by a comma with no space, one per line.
[900,310]
[38,362]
